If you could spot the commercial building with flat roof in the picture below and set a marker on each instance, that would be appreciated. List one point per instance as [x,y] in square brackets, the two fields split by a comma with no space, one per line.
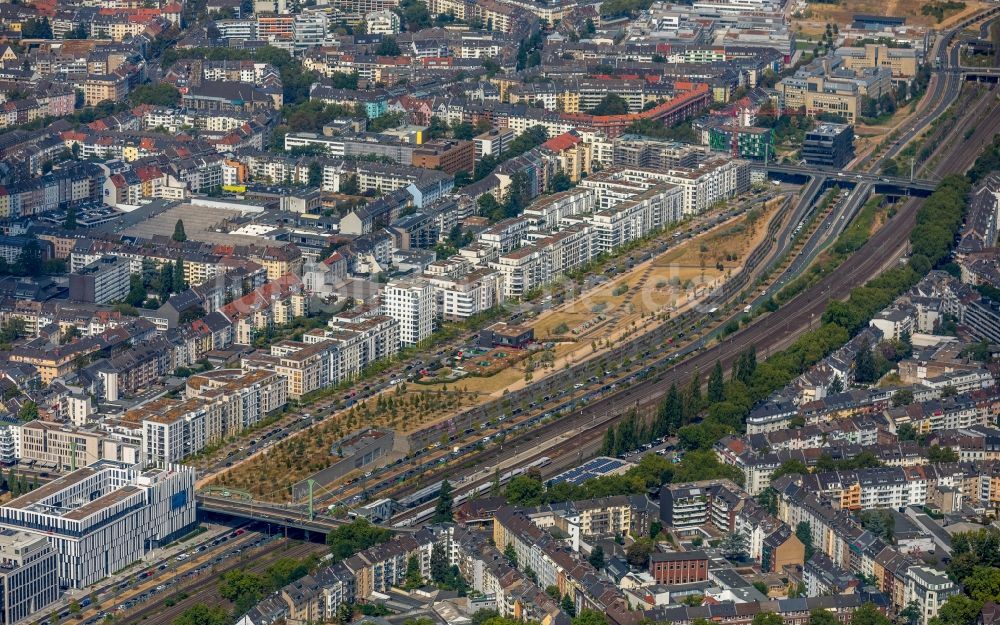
[449,155]
[102,518]
[829,145]
[28,576]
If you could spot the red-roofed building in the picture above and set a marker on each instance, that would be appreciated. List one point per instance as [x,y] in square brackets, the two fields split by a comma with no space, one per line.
[691,98]
[275,302]
[572,154]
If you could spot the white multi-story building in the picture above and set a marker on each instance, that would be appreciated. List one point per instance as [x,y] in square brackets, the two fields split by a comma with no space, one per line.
[104,517]
[549,211]
[382,23]
[522,269]
[712,181]
[505,235]
[457,298]
[309,29]
[172,120]
[411,303]
[636,217]
[237,29]
[929,588]
[218,404]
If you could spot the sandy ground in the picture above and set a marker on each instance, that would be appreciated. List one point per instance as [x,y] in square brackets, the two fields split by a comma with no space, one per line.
[814,20]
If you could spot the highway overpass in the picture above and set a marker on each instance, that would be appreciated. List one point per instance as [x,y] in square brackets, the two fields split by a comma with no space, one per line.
[887,185]
[265,512]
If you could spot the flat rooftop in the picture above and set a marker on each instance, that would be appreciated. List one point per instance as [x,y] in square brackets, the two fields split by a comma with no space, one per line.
[47,490]
[101,503]
[200,223]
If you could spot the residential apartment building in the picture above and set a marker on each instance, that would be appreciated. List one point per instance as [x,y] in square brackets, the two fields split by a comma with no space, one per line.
[101,282]
[217,405]
[458,298]
[110,87]
[411,303]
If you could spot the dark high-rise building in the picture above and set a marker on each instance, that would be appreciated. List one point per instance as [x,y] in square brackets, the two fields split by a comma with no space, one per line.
[829,145]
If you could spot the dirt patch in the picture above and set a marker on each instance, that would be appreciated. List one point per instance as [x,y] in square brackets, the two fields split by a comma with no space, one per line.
[813,21]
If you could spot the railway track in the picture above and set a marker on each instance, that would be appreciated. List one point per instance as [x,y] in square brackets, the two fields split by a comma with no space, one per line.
[204,589]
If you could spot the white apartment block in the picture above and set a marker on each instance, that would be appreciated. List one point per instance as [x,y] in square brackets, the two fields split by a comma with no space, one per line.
[636,217]
[309,29]
[712,181]
[522,269]
[458,298]
[411,303]
[549,211]
[172,120]
[928,588]
[104,517]
[217,404]
[506,235]
[346,349]
[382,23]
[237,28]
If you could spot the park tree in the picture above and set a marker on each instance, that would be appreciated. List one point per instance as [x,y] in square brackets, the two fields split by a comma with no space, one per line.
[716,385]
[413,578]
[179,282]
[511,554]
[792,465]
[315,174]
[590,617]
[767,618]
[439,564]
[28,411]
[388,47]
[201,614]
[639,551]
[611,104]
[734,545]
[959,609]
[868,614]
[865,370]
[984,584]
[568,606]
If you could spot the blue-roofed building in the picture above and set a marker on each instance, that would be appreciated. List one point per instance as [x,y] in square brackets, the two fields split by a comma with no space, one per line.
[597,467]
